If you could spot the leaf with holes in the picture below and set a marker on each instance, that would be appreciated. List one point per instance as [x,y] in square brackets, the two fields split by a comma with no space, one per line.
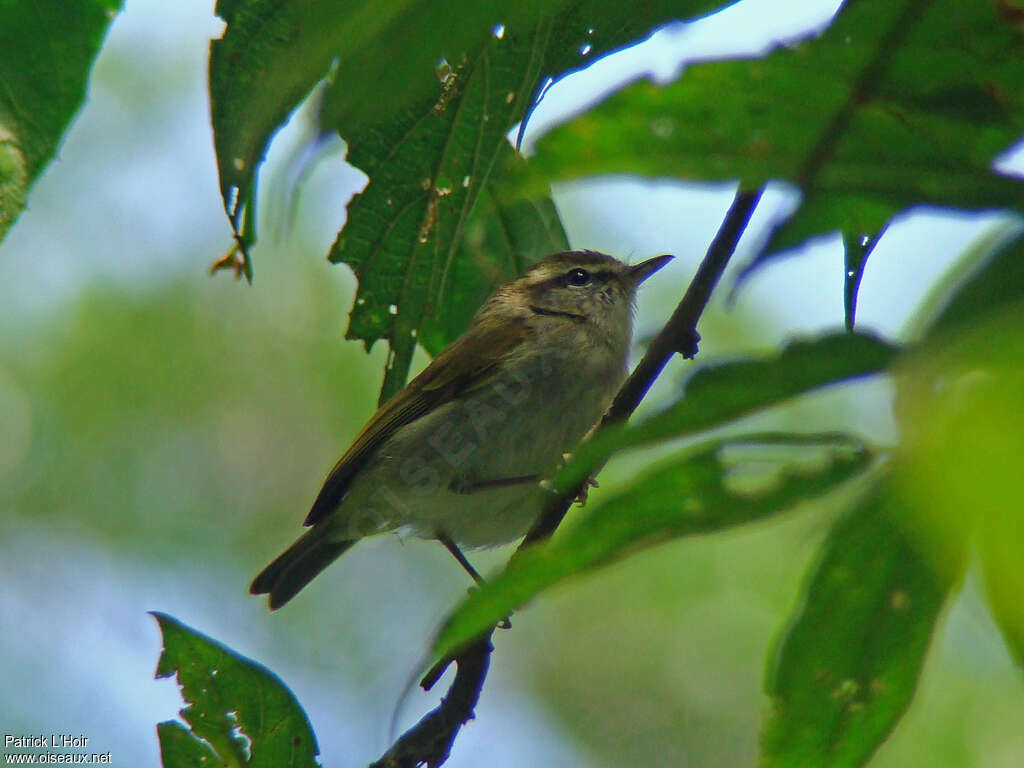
[46,50]
[238,712]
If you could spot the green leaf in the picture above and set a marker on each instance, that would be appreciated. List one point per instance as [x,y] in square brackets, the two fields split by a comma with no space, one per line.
[46,51]
[238,711]
[899,102]
[427,166]
[856,253]
[427,133]
[429,162]
[959,408]
[997,283]
[180,749]
[696,492]
[848,665]
[382,59]
[718,394]
[273,53]
[502,238]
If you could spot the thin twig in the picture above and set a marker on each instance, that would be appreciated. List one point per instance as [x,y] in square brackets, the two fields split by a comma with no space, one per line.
[679,335]
[429,742]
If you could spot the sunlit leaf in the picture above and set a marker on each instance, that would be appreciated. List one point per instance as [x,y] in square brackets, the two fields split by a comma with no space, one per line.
[698,492]
[848,665]
[897,103]
[46,51]
[959,407]
[721,393]
[236,709]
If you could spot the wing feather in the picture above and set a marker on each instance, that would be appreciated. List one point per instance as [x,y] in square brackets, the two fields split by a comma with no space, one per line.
[466,364]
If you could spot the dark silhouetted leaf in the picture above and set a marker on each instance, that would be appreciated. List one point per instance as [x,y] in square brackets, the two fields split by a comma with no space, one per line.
[698,492]
[897,103]
[848,665]
[238,711]
[46,50]
[718,394]
[857,250]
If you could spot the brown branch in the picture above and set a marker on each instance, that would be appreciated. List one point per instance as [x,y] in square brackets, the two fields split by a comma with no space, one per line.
[429,742]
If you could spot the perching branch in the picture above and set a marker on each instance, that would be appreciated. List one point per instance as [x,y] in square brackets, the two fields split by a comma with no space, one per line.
[679,335]
[429,742]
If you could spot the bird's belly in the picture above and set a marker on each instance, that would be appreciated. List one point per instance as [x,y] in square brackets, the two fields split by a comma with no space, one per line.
[470,469]
[471,479]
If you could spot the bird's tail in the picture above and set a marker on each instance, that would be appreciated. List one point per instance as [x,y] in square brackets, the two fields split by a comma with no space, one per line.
[298,565]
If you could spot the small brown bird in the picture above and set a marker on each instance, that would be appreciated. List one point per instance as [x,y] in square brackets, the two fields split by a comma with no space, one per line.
[457,454]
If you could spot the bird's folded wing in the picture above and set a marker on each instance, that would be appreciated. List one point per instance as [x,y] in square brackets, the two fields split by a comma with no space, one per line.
[467,364]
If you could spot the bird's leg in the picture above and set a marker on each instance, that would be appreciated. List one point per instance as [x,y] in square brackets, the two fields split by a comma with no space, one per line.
[452,547]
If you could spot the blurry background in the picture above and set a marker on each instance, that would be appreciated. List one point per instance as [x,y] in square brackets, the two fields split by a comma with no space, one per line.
[163,432]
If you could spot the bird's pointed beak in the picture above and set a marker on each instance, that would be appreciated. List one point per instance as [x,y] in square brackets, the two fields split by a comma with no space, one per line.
[640,272]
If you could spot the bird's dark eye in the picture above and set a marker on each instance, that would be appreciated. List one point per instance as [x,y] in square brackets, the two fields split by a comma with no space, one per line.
[577,277]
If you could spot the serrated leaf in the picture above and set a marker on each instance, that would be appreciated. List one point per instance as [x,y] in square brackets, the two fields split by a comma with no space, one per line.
[896,104]
[429,162]
[848,665]
[46,51]
[382,57]
[690,494]
[427,166]
[718,394]
[236,708]
[272,54]
[502,238]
